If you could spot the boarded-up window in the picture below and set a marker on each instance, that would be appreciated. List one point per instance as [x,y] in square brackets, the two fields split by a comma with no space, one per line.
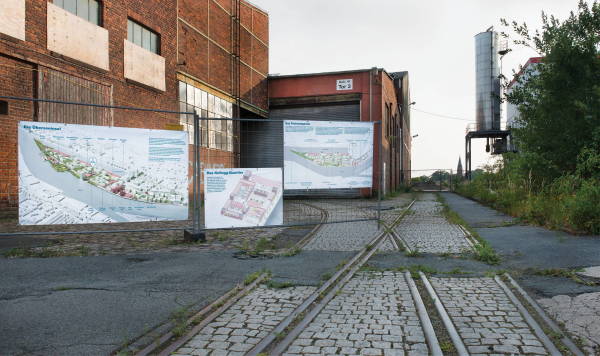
[54,85]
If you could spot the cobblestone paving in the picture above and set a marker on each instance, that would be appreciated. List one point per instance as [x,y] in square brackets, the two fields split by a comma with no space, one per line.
[351,236]
[425,229]
[248,321]
[386,246]
[487,321]
[580,315]
[155,241]
[373,315]
[354,235]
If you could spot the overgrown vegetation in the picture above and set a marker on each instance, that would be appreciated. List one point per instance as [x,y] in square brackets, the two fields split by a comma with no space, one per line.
[554,179]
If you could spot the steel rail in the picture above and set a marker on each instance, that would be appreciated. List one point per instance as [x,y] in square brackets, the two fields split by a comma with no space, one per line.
[565,339]
[461,349]
[337,281]
[533,324]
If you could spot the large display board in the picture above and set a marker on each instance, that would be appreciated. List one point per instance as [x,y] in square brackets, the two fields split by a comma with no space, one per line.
[327,154]
[241,197]
[75,174]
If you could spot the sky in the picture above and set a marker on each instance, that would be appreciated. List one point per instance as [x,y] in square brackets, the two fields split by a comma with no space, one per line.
[432,40]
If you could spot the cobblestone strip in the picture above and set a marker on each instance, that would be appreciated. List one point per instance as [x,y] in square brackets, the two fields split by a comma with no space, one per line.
[425,229]
[580,315]
[374,314]
[244,324]
[351,236]
[486,319]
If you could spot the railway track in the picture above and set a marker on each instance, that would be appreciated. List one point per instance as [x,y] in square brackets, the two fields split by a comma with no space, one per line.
[380,312]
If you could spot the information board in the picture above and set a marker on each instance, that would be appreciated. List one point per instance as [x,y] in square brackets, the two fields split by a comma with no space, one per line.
[327,154]
[241,197]
[79,174]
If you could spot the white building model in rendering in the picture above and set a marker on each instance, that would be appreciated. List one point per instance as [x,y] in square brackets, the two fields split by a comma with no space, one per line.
[253,199]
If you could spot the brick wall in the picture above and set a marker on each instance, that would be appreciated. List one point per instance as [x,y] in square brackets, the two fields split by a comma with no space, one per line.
[206,42]
[159,15]
[15,82]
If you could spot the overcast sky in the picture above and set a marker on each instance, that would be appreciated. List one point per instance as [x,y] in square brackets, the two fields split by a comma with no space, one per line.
[432,40]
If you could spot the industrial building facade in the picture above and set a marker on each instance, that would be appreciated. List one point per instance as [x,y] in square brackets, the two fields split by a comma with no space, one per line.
[369,95]
[207,56]
[203,56]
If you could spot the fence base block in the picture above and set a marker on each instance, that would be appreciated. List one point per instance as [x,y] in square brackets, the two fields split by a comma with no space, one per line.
[194,236]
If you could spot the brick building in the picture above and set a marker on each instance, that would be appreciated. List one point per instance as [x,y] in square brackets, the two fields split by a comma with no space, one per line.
[210,56]
[358,95]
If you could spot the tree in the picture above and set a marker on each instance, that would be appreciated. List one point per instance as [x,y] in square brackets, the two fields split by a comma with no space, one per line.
[560,106]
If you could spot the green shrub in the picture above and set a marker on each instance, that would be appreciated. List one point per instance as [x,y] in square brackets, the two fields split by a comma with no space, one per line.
[584,207]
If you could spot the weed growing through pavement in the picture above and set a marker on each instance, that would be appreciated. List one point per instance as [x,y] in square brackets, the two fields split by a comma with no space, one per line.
[446,346]
[279,285]
[415,269]
[414,253]
[291,252]
[254,276]
[179,320]
[485,253]
[341,264]
[457,271]
[326,276]
[566,273]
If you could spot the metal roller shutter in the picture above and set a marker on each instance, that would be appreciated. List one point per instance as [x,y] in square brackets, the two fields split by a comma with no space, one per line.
[262,142]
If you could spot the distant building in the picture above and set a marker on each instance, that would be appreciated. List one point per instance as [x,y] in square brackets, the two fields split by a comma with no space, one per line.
[356,95]
[459,168]
[512,111]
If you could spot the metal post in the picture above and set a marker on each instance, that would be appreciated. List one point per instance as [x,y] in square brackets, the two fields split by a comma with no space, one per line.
[194,177]
[198,173]
[196,234]
[381,177]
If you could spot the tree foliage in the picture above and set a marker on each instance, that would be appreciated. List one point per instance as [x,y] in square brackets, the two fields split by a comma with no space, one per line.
[554,180]
[560,106]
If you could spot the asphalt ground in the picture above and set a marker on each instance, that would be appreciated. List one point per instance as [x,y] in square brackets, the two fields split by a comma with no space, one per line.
[525,250]
[92,305]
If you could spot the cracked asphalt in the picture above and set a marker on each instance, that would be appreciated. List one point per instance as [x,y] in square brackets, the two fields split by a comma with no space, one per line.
[91,305]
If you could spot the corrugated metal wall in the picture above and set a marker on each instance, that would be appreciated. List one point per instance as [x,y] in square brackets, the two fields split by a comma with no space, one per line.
[55,85]
[262,142]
